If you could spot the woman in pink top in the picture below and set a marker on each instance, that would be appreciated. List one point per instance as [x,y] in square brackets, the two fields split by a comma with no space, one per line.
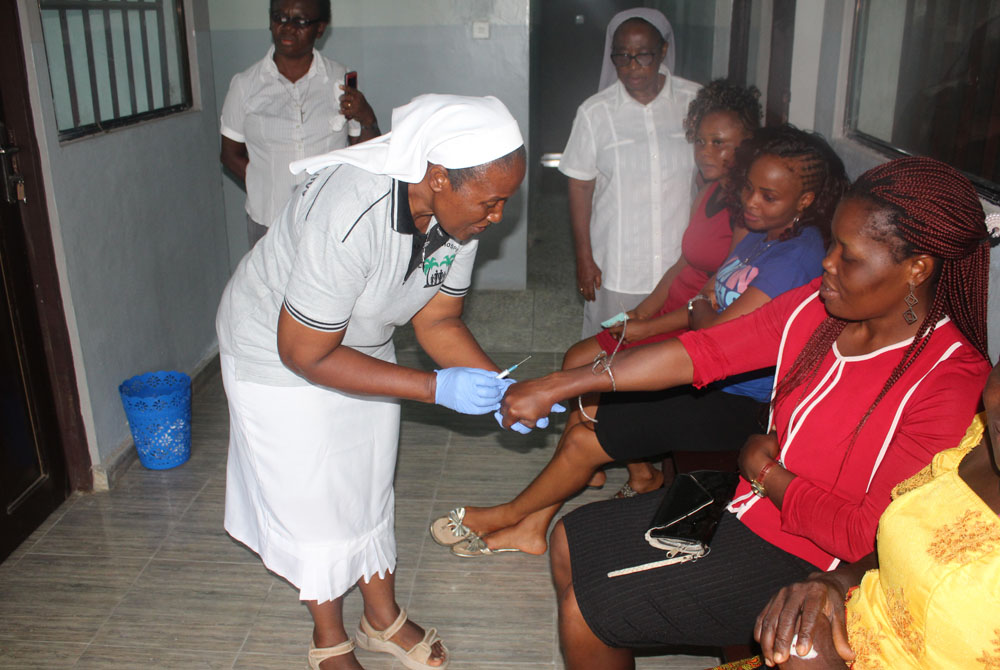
[721,117]
[879,367]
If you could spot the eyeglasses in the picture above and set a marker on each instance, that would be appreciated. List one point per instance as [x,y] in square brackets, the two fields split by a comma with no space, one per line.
[296,21]
[622,59]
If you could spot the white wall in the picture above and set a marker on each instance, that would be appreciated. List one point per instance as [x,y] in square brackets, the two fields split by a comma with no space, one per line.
[400,50]
[137,222]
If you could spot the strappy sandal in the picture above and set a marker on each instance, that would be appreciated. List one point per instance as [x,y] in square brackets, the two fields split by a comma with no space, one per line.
[626,491]
[474,546]
[415,658]
[319,654]
[449,529]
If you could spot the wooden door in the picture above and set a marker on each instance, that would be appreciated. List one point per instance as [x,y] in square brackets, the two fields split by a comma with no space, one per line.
[43,453]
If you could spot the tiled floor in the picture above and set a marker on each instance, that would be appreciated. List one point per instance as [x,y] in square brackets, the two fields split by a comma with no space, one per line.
[145,577]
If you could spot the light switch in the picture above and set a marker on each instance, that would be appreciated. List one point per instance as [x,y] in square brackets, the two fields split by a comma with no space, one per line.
[480,30]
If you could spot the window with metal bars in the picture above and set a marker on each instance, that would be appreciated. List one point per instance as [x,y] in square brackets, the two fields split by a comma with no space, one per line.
[925,80]
[115,62]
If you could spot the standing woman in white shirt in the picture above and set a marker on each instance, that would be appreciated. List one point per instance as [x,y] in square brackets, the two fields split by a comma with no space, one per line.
[289,105]
[630,169]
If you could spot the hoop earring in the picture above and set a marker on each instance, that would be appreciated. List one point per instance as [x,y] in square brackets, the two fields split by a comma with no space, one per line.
[909,315]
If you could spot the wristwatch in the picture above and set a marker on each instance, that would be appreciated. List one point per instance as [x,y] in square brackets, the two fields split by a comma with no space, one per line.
[692,301]
[757,485]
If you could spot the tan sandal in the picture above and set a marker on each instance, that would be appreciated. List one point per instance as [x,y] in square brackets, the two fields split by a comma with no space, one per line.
[449,529]
[416,658]
[319,654]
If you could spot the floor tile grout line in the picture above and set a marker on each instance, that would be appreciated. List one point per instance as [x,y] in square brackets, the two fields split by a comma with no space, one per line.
[193,499]
[253,623]
[28,550]
[131,586]
[429,517]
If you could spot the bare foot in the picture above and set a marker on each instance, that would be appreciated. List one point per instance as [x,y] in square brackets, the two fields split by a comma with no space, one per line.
[597,481]
[526,536]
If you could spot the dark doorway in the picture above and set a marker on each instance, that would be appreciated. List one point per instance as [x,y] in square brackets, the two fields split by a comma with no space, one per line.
[42,446]
[567,51]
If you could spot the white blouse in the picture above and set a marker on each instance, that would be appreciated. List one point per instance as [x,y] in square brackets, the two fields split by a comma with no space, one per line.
[280,122]
[644,169]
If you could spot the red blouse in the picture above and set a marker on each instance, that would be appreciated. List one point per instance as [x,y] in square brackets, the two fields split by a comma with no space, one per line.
[705,246]
[831,509]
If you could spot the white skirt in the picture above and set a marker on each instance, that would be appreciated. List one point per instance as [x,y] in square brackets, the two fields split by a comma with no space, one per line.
[309,482]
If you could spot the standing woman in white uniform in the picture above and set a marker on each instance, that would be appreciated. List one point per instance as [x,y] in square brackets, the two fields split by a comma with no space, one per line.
[379,235]
[289,105]
[630,169]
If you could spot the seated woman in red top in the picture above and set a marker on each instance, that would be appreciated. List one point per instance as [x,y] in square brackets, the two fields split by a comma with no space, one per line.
[721,117]
[791,182]
[879,367]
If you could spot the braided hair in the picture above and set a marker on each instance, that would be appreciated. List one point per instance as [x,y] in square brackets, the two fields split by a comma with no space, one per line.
[934,210]
[809,156]
[722,95]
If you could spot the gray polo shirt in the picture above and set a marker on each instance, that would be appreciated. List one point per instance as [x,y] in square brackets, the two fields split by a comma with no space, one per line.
[344,254]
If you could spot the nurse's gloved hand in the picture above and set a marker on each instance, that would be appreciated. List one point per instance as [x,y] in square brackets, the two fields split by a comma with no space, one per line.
[469,390]
[524,430]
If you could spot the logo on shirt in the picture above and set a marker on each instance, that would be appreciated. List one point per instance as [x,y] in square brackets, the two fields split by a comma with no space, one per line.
[435,270]
[733,278]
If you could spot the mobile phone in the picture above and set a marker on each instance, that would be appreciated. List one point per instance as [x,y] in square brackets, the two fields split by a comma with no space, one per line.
[351,80]
[617,318]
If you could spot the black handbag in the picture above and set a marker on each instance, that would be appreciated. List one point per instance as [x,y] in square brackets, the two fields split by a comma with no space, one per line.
[687,517]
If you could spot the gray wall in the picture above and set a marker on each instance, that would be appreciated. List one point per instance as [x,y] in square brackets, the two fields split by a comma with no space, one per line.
[401,50]
[138,215]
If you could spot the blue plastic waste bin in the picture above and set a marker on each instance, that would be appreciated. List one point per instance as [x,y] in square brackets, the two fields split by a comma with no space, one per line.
[158,407]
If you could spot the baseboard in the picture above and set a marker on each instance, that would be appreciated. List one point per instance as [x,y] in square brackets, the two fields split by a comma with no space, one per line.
[109,473]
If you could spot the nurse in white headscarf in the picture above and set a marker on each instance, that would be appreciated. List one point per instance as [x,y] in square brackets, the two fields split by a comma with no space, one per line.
[630,168]
[379,235]
[654,17]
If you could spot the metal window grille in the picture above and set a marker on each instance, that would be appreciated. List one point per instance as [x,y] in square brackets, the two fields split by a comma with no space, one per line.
[115,62]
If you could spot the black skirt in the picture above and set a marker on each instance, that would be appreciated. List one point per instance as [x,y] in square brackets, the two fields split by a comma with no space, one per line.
[635,425]
[712,601]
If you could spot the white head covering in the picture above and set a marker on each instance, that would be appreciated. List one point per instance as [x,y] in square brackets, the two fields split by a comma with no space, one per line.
[451,130]
[608,73]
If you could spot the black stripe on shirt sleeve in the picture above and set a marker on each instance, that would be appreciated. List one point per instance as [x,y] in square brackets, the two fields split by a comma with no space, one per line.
[313,323]
[457,292]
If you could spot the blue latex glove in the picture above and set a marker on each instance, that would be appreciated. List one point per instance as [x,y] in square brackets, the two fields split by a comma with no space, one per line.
[469,390]
[519,427]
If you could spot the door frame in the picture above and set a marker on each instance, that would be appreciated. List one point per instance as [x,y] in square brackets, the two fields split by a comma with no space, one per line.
[41,257]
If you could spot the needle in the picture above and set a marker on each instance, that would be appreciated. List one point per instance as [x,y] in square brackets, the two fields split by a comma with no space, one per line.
[503,375]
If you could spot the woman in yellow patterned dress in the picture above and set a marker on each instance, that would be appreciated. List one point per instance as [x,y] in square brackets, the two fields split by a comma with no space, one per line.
[929,597]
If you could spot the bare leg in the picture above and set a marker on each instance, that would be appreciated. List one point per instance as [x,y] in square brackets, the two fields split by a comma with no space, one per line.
[642,476]
[381,610]
[524,522]
[328,631]
[568,471]
[583,353]
[581,648]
